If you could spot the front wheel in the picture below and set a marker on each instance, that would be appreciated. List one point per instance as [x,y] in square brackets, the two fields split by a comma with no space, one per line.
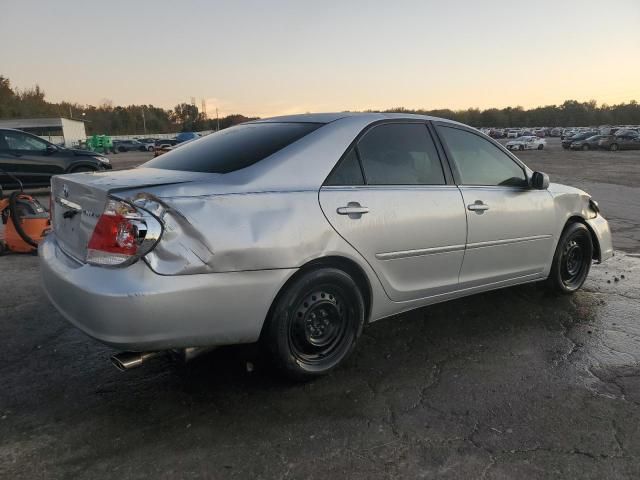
[521,148]
[314,324]
[613,147]
[540,147]
[572,259]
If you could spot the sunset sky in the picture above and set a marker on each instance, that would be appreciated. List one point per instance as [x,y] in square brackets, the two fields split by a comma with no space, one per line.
[284,56]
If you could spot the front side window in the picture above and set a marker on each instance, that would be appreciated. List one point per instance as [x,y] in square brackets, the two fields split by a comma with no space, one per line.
[400,154]
[232,148]
[480,162]
[20,141]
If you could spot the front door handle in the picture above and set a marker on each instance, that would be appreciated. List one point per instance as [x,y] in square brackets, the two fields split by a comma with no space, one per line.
[478,206]
[353,209]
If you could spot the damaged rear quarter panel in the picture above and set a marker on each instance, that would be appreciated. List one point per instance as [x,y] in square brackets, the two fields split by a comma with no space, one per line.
[235,232]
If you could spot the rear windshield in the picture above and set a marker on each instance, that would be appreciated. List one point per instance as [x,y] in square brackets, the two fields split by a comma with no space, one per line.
[233,148]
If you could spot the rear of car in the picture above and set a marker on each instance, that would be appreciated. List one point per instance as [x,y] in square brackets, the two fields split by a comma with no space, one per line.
[126,258]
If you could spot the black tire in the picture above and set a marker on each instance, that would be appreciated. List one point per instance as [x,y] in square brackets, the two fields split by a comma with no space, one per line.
[572,259]
[540,147]
[314,324]
[521,147]
[83,169]
[586,147]
[613,147]
[122,149]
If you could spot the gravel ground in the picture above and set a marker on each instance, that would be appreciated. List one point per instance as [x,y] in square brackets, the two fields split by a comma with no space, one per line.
[517,383]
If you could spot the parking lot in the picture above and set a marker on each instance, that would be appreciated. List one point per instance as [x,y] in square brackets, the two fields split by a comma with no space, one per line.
[517,383]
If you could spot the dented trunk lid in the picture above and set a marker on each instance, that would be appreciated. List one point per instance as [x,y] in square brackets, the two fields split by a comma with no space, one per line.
[79,200]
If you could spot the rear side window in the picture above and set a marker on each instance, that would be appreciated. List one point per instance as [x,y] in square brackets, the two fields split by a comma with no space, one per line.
[400,154]
[480,162]
[348,172]
[233,148]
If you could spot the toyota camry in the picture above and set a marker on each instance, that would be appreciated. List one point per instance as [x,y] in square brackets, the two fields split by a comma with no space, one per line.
[297,231]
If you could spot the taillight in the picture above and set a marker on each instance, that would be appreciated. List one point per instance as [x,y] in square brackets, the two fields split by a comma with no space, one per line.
[122,235]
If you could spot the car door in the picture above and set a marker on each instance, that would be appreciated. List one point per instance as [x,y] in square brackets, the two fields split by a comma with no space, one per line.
[510,226]
[390,199]
[33,161]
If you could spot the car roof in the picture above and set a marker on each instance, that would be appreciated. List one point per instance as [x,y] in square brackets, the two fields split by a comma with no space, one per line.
[332,117]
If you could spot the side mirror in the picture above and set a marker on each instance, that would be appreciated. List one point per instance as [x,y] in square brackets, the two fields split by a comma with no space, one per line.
[540,181]
[51,149]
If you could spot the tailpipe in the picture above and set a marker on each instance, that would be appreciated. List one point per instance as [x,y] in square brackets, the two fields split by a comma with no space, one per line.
[128,360]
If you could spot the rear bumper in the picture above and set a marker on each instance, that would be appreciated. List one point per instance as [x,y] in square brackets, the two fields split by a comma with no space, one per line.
[600,228]
[135,309]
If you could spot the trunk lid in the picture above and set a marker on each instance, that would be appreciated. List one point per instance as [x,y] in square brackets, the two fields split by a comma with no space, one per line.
[79,199]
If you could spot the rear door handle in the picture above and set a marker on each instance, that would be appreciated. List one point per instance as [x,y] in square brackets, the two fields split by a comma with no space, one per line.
[478,206]
[353,209]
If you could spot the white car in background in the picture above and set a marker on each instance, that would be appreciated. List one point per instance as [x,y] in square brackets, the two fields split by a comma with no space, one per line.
[513,133]
[529,142]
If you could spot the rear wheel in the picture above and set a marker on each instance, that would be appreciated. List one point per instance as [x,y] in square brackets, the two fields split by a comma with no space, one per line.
[585,147]
[613,147]
[572,259]
[540,147]
[521,147]
[314,323]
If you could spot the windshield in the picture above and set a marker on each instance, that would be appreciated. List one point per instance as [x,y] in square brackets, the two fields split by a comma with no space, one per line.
[233,148]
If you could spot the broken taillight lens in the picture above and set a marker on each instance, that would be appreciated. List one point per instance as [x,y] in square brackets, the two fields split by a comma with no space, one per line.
[122,235]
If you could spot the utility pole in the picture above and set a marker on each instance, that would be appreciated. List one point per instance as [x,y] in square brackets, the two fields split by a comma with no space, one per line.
[144,122]
[217,121]
[70,114]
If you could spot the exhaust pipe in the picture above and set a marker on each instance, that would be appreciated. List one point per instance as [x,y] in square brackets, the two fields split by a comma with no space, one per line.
[128,360]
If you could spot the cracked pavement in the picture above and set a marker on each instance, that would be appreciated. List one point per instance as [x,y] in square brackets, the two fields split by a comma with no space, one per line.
[516,383]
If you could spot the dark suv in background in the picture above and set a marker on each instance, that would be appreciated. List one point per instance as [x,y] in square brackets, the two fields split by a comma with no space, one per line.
[34,160]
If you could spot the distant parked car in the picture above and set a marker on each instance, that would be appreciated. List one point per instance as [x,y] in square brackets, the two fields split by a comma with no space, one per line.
[164,148]
[166,141]
[513,133]
[590,143]
[628,140]
[556,132]
[149,143]
[129,145]
[184,136]
[540,133]
[529,142]
[567,141]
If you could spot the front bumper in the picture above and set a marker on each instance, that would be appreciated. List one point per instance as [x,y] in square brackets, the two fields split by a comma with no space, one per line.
[600,228]
[135,309]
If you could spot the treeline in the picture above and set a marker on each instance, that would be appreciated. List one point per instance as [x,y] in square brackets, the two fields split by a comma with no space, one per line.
[107,119]
[570,114]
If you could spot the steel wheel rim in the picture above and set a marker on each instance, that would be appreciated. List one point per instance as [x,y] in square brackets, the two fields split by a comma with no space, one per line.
[574,261]
[319,329]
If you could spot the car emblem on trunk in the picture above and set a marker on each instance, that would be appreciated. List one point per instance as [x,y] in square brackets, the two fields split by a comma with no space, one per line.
[65,190]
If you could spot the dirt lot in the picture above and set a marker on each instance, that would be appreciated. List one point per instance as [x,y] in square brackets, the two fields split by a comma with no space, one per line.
[516,383]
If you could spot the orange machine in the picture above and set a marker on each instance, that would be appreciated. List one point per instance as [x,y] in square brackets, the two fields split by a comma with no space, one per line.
[26,222]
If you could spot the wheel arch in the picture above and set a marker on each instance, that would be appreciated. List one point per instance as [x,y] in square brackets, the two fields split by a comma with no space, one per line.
[333,261]
[81,164]
[597,253]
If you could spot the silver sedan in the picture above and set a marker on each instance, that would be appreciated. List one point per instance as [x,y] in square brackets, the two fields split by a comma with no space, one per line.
[296,231]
